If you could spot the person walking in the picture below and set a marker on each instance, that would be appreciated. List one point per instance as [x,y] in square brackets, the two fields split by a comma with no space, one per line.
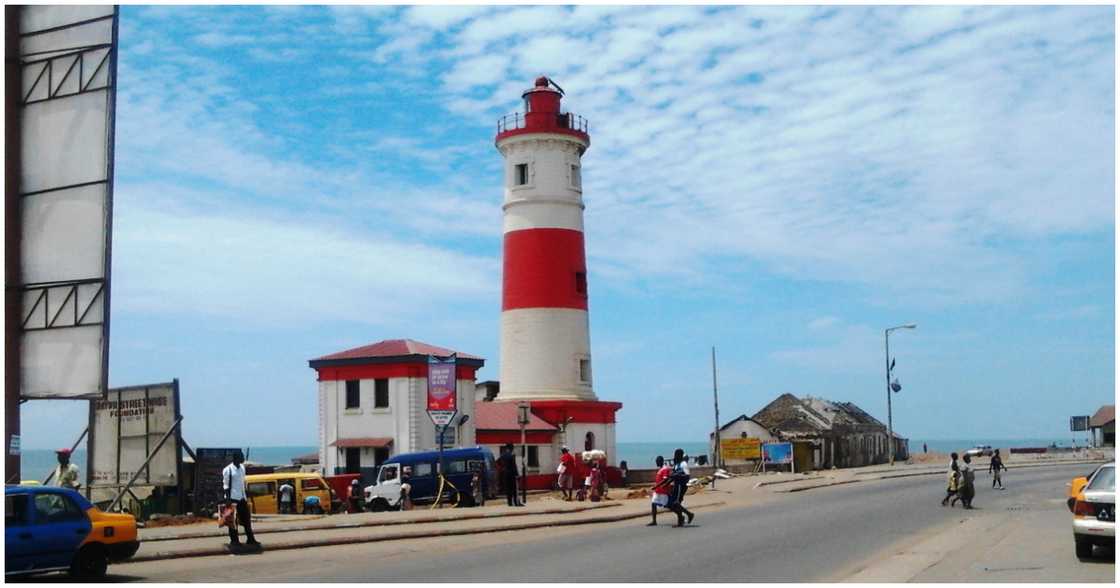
[966,487]
[287,497]
[680,477]
[660,494]
[994,467]
[66,473]
[406,488]
[566,471]
[508,464]
[596,484]
[233,486]
[356,498]
[954,481]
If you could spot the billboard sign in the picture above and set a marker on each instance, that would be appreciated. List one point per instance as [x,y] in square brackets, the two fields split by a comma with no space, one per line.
[777,453]
[66,110]
[745,448]
[125,428]
[441,390]
[1079,423]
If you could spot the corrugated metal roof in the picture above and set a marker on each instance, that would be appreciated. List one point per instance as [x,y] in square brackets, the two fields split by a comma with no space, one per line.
[364,442]
[502,416]
[1105,414]
[395,348]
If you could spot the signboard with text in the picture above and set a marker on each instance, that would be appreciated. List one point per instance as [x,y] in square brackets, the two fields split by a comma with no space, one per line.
[126,426]
[441,390]
[742,448]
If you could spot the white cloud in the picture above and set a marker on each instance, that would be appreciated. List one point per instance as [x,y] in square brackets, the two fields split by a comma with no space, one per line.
[242,266]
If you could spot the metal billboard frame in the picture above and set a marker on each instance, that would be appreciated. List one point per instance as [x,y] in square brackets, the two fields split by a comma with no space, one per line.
[37,313]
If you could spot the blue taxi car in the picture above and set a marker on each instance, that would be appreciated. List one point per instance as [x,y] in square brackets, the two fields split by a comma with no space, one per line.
[56,529]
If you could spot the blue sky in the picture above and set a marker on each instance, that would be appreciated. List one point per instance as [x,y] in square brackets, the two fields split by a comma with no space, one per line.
[780,182]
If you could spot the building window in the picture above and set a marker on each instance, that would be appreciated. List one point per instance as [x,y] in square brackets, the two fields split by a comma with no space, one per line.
[581,283]
[353,396]
[381,393]
[534,456]
[589,441]
[528,105]
[380,455]
[585,370]
[575,176]
[521,174]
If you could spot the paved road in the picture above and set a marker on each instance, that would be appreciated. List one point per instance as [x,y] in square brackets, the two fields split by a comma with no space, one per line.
[811,536]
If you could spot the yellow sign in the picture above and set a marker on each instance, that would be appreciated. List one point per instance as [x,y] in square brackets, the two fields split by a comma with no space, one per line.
[749,448]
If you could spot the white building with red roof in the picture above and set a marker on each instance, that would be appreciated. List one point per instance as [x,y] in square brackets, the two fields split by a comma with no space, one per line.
[373,404]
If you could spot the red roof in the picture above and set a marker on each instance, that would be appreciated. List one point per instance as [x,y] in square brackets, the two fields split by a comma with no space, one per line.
[364,442]
[395,348]
[1105,414]
[502,416]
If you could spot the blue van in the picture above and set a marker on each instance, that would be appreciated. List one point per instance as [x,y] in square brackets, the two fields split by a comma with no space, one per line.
[460,464]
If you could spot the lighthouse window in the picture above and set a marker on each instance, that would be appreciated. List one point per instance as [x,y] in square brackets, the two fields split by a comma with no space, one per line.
[575,176]
[585,370]
[581,283]
[521,174]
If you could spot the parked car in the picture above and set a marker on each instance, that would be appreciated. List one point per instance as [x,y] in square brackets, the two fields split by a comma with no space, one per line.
[980,451]
[56,529]
[1077,486]
[385,493]
[1094,512]
[264,491]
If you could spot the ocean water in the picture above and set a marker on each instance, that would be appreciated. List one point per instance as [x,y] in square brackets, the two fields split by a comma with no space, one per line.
[39,463]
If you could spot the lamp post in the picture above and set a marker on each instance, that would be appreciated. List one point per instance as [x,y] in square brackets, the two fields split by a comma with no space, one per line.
[523,419]
[716,452]
[890,423]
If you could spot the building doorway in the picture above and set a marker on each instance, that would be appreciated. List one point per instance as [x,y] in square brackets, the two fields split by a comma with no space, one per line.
[353,460]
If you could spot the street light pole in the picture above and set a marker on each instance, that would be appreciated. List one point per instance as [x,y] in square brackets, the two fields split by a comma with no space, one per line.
[716,453]
[523,419]
[890,423]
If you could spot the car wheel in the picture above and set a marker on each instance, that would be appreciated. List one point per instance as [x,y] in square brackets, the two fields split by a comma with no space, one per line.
[1083,546]
[379,505]
[91,562]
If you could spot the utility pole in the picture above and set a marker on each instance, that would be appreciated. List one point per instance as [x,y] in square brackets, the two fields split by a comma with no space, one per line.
[890,424]
[716,454]
[523,420]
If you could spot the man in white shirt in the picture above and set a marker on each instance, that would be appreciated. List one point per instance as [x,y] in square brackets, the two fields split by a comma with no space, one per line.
[233,485]
[287,497]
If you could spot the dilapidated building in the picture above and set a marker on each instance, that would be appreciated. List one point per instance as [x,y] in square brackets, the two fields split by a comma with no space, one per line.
[839,434]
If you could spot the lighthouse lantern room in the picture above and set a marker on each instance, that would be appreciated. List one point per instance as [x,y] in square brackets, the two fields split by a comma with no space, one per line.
[545,343]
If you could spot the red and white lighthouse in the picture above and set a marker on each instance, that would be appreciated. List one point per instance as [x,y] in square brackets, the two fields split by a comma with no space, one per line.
[545,343]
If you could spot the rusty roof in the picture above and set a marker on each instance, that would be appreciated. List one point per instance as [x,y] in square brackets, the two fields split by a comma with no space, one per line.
[1104,415]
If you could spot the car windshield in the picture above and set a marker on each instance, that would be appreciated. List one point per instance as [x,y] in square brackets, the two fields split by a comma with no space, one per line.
[1104,480]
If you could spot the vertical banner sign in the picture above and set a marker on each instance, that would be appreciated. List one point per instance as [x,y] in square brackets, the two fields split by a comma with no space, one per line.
[68,61]
[441,390]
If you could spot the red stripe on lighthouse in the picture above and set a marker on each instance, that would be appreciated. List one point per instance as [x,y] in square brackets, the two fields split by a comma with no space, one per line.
[544,268]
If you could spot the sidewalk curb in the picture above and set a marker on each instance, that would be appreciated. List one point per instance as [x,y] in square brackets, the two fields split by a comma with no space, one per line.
[220,532]
[775,482]
[212,551]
